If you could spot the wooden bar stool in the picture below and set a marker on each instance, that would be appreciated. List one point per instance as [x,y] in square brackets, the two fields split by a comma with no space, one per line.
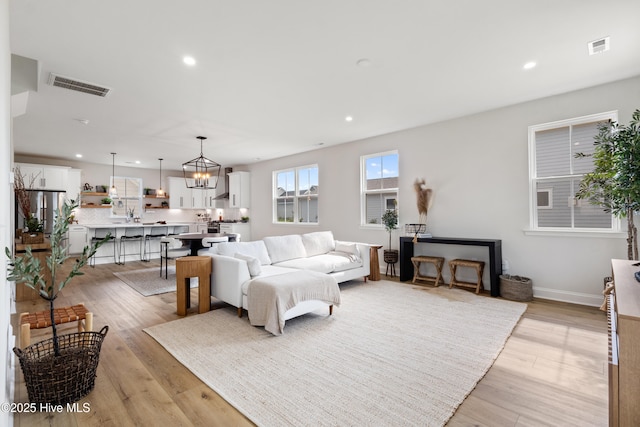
[437,261]
[477,265]
[186,268]
[42,319]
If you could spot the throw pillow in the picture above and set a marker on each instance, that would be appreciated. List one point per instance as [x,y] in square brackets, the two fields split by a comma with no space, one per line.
[252,263]
[350,248]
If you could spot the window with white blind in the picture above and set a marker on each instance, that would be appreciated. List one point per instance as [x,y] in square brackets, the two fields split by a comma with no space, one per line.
[555,174]
[378,186]
[296,195]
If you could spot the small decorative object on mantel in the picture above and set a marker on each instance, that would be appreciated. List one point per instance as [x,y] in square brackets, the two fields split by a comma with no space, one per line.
[61,369]
[424,196]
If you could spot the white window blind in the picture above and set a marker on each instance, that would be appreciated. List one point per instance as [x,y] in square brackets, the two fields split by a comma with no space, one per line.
[556,172]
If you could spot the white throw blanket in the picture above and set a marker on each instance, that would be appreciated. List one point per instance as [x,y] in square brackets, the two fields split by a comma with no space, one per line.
[270,297]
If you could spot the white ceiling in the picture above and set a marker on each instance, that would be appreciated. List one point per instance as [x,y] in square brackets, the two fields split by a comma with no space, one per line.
[276,77]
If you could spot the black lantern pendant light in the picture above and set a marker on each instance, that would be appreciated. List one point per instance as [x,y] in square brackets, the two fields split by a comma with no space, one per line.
[201,173]
[113,193]
[160,191]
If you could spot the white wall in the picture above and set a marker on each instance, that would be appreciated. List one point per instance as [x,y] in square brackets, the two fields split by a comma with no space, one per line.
[6,334]
[478,168]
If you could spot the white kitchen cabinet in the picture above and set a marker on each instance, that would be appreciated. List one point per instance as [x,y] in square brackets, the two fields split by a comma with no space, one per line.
[241,228]
[179,194]
[77,239]
[74,184]
[44,177]
[239,189]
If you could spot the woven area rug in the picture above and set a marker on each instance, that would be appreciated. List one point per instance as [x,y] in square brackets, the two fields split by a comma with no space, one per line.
[392,354]
[148,282]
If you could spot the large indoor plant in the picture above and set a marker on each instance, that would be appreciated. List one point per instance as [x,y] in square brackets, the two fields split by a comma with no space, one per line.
[614,183]
[55,362]
[390,222]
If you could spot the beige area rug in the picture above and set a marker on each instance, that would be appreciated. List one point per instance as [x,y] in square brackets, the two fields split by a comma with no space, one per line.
[148,282]
[392,354]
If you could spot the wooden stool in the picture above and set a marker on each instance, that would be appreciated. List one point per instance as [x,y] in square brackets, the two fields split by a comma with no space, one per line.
[42,319]
[437,261]
[478,265]
[186,268]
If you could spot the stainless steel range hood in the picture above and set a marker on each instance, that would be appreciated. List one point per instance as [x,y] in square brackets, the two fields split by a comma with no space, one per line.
[225,195]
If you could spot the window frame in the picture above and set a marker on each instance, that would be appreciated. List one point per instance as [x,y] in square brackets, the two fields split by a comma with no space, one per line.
[534,180]
[295,198]
[364,192]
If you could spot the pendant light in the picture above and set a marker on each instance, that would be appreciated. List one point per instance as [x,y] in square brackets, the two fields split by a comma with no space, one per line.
[201,173]
[160,191]
[113,193]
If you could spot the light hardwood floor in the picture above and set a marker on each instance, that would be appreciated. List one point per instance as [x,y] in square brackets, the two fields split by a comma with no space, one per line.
[551,372]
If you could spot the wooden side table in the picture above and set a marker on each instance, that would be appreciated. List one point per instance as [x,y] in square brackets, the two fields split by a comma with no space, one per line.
[186,268]
[374,268]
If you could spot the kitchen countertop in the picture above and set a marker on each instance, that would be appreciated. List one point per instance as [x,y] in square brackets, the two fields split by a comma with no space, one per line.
[135,224]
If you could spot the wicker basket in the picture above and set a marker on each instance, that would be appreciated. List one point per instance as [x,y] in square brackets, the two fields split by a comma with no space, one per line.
[516,288]
[66,378]
[390,256]
[32,238]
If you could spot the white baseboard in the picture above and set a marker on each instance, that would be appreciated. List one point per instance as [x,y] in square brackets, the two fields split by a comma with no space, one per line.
[568,296]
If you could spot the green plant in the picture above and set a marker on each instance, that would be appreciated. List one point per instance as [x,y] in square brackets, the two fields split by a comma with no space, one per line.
[614,183]
[27,269]
[244,219]
[390,221]
[33,225]
[105,201]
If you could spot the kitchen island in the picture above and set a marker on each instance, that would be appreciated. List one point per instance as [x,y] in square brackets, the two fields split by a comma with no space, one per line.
[132,248]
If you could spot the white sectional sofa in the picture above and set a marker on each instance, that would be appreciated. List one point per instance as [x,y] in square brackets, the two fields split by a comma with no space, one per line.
[237,264]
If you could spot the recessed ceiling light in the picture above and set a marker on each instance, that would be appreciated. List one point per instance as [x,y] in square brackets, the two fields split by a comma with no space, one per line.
[83,121]
[78,155]
[189,60]
[138,162]
[349,118]
[364,62]
[529,65]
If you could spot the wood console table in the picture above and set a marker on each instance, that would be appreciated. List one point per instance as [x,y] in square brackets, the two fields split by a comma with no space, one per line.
[40,251]
[495,256]
[623,312]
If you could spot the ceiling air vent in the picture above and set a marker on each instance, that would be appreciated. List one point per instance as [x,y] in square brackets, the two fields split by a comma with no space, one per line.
[599,46]
[77,85]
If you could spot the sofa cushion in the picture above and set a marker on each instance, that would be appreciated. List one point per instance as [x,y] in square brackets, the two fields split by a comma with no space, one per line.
[256,249]
[319,242]
[283,248]
[252,262]
[317,263]
[325,263]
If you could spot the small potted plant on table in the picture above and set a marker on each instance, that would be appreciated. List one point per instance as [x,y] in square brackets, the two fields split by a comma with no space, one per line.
[61,369]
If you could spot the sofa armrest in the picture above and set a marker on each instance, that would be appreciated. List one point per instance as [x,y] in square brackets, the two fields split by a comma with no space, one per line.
[365,254]
[227,277]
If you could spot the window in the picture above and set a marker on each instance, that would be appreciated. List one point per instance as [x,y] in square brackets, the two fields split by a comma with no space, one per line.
[296,195]
[555,174]
[129,199]
[379,186]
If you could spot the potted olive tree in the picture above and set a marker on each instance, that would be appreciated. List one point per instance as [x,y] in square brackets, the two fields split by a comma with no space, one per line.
[614,183]
[61,369]
[390,221]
